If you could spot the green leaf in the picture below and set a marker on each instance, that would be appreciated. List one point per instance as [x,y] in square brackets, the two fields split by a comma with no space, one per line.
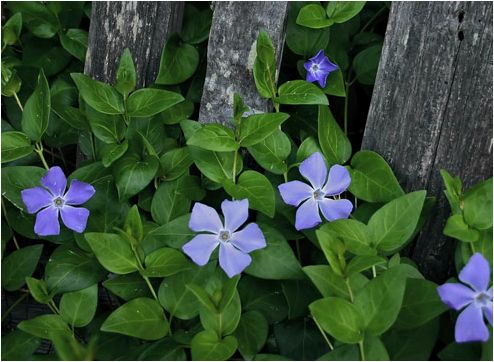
[133,225]
[107,128]
[15,145]
[379,302]
[345,352]
[393,224]
[78,308]
[272,152]
[477,205]
[341,11]
[353,233]
[421,304]
[363,262]
[38,290]
[224,322]
[45,326]
[11,83]
[335,84]
[100,96]
[299,294]
[276,260]
[75,41]
[37,17]
[313,16]
[196,24]
[334,143]
[265,66]
[18,265]
[177,113]
[251,334]
[375,349]
[214,137]
[173,199]
[175,163]
[126,74]
[258,127]
[149,101]
[300,92]
[11,31]
[202,296]
[70,269]
[179,61]
[372,178]
[37,110]
[207,346]
[132,174]
[228,292]
[457,228]
[19,346]
[256,188]
[344,323]
[217,166]
[141,318]
[165,349]
[307,148]
[165,262]
[112,152]
[128,286]
[174,233]
[366,62]
[113,252]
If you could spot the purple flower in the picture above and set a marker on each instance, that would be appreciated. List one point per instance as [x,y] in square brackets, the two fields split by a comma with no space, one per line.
[51,200]
[476,299]
[318,68]
[234,245]
[323,195]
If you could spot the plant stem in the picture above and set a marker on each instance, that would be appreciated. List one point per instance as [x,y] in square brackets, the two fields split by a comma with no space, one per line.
[18,102]
[148,282]
[330,345]
[54,306]
[349,288]
[374,17]
[374,273]
[38,148]
[234,173]
[472,248]
[11,308]
[361,348]
[285,176]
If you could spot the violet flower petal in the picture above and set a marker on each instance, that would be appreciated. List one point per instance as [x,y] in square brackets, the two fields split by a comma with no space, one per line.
[476,273]
[200,248]
[294,192]
[55,181]
[338,180]
[488,312]
[235,213]
[232,260]
[335,209]
[36,198]
[205,218]
[470,326]
[455,295]
[47,222]
[314,170]
[248,239]
[75,218]
[307,215]
[79,192]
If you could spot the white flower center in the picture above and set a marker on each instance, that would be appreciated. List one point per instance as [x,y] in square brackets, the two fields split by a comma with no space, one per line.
[482,299]
[224,236]
[314,67]
[58,202]
[318,194]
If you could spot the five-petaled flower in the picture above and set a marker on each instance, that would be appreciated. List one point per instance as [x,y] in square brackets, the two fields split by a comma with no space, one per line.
[476,299]
[318,68]
[234,245]
[321,196]
[50,200]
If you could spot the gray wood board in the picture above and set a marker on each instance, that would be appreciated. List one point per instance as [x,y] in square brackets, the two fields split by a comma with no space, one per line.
[432,108]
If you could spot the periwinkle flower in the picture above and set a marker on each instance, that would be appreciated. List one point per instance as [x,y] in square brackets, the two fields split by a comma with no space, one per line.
[323,194]
[234,245]
[475,299]
[50,200]
[318,68]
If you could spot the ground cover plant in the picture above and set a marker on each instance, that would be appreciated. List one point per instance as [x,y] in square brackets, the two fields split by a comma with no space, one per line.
[143,234]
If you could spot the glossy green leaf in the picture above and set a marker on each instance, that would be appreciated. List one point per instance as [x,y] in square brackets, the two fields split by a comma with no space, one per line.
[341,11]
[354,234]
[18,265]
[374,349]
[300,92]
[38,290]
[45,326]
[257,127]
[251,334]
[179,61]
[100,96]
[113,252]
[112,152]
[174,234]
[75,41]
[126,74]
[128,286]
[256,188]
[175,163]
[147,102]
[272,152]
[37,17]
[133,174]
[372,178]
[107,128]
[313,16]
[207,346]
[196,24]
[19,346]
[142,318]
[457,228]
[363,262]
[165,262]
[78,308]
[11,31]
[477,205]
[265,66]
[334,143]
[15,145]
[214,137]
[37,110]
[366,63]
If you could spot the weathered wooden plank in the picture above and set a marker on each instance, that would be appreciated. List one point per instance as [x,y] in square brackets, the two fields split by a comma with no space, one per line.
[231,52]
[432,107]
[141,26]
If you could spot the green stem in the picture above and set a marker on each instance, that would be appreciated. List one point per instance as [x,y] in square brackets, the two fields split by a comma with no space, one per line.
[38,148]
[54,306]
[349,288]
[374,17]
[234,173]
[374,273]
[11,308]
[285,176]
[18,102]
[472,248]
[330,345]
[361,348]
[276,106]
[148,282]
[146,279]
